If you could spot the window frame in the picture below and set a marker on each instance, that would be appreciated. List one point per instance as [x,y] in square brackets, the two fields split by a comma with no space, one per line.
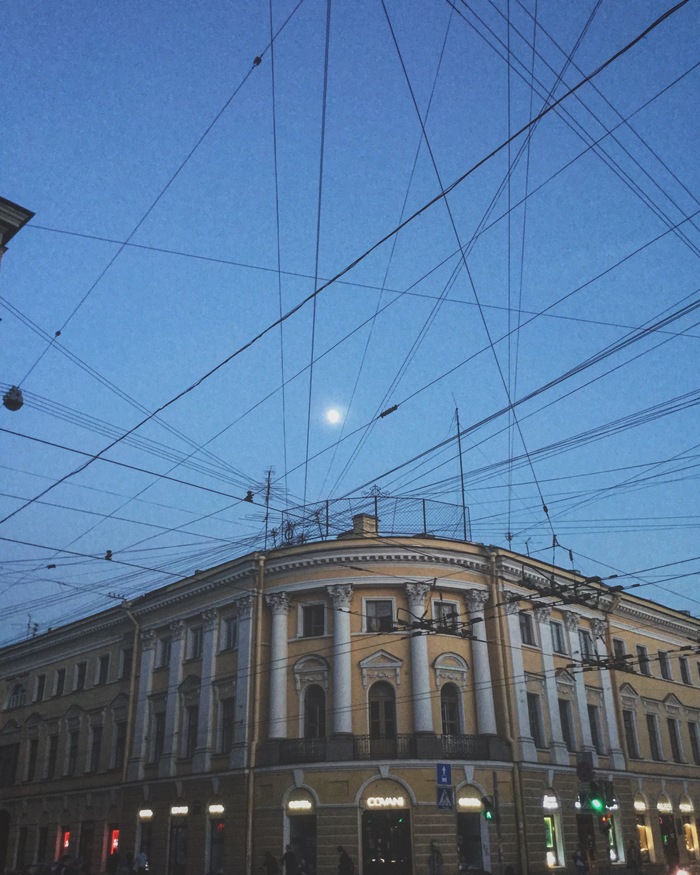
[164,651]
[558,638]
[454,701]
[227,724]
[684,667]
[566,717]
[195,642]
[59,686]
[674,736]
[629,726]
[445,614]
[126,662]
[694,735]
[643,660]
[655,748]
[80,676]
[595,726]
[665,665]
[313,611]
[527,629]
[381,620]
[536,720]
[103,666]
[586,644]
[40,688]
[229,630]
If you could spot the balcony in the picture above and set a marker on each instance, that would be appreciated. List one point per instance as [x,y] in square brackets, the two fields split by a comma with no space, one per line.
[358,748]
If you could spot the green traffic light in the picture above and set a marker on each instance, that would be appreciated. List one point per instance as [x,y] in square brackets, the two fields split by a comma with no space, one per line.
[488,815]
[597,804]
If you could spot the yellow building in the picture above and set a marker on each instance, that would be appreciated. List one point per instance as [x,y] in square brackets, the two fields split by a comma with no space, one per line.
[380,694]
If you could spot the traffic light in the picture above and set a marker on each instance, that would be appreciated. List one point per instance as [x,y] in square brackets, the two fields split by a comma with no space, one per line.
[605,824]
[487,807]
[596,798]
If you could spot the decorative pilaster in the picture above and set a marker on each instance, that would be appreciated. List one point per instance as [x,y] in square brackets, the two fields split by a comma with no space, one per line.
[571,621]
[599,629]
[485,710]
[244,675]
[279,604]
[524,739]
[340,596]
[167,763]
[560,753]
[420,672]
[202,754]
[138,753]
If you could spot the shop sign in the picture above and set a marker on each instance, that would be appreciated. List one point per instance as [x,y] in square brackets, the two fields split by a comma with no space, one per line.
[299,805]
[385,802]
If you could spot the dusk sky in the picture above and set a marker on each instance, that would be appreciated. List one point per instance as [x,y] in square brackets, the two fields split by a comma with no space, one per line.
[482,235]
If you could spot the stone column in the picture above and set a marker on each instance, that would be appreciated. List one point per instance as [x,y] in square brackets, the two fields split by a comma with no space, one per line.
[485,711]
[610,714]
[524,739]
[420,673]
[572,621]
[279,604]
[202,755]
[167,763]
[560,753]
[340,596]
[244,673]
[140,735]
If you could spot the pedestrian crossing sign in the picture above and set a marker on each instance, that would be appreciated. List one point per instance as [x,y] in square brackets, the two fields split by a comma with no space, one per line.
[445,798]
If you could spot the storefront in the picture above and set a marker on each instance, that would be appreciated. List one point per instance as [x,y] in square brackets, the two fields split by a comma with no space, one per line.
[300,828]
[386,831]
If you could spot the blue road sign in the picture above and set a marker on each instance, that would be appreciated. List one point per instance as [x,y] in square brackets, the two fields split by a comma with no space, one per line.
[445,798]
[444,774]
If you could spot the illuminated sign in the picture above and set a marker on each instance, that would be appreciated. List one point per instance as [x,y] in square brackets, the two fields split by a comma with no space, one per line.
[114,840]
[385,802]
[179,810]
[664,806]
[550,802]
[469,802]
[66,838]
[686,807]
[299,805]
[216,809]
[640,805]
[145,814]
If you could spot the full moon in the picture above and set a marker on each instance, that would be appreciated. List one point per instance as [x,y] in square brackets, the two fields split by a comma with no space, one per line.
[333,416]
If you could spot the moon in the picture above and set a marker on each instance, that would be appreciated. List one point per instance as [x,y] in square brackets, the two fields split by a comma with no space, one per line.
[333,416]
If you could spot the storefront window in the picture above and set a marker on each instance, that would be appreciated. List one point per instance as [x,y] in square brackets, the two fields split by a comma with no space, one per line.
[550,807]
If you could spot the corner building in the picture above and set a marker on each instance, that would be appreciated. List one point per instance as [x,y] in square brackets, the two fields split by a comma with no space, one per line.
[371,692]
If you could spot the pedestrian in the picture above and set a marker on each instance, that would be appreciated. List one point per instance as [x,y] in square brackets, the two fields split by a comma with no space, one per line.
[141,862]
[579,858]
[435,859]
[345,864]
[290,862]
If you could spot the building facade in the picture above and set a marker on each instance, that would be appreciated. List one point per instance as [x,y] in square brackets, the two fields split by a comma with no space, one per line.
[370,692]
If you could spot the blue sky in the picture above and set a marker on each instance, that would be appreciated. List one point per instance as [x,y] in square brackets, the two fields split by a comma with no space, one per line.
[186,198]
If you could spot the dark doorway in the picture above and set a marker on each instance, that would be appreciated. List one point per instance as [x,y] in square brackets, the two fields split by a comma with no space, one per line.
[302,838]
[87,845]
[217,847]
[669,840]
[586,838]
[177,858]
[469,839]
[386,842]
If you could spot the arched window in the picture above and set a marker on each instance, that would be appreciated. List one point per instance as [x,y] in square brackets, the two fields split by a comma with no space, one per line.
[314,712]
[382,711]
[449,709]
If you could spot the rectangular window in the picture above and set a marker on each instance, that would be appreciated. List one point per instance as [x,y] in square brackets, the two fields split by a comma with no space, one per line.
[379,615]
[694,742]
[643,660]
[103,669]
[630,727]
[446,614]
[43,843]
[60,682]
[664,665]
[675,738]
[158,735]
[586,644]
[40,688]
[119,745]
[20,857]
[685,669]
[230,633]
[95,748]
[32,758]
[191,724]
[567,730]
[313,621]
[72,759]
[654,743]
[80,675]
[527,629]
[165,644]
[619,649]
[228,716]
[126,662]
[51,756]
[558,640]
[195,642]
[594,723]
[534,712]
[9,755]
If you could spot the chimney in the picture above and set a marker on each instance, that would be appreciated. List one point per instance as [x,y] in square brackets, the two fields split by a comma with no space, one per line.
[363,526]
